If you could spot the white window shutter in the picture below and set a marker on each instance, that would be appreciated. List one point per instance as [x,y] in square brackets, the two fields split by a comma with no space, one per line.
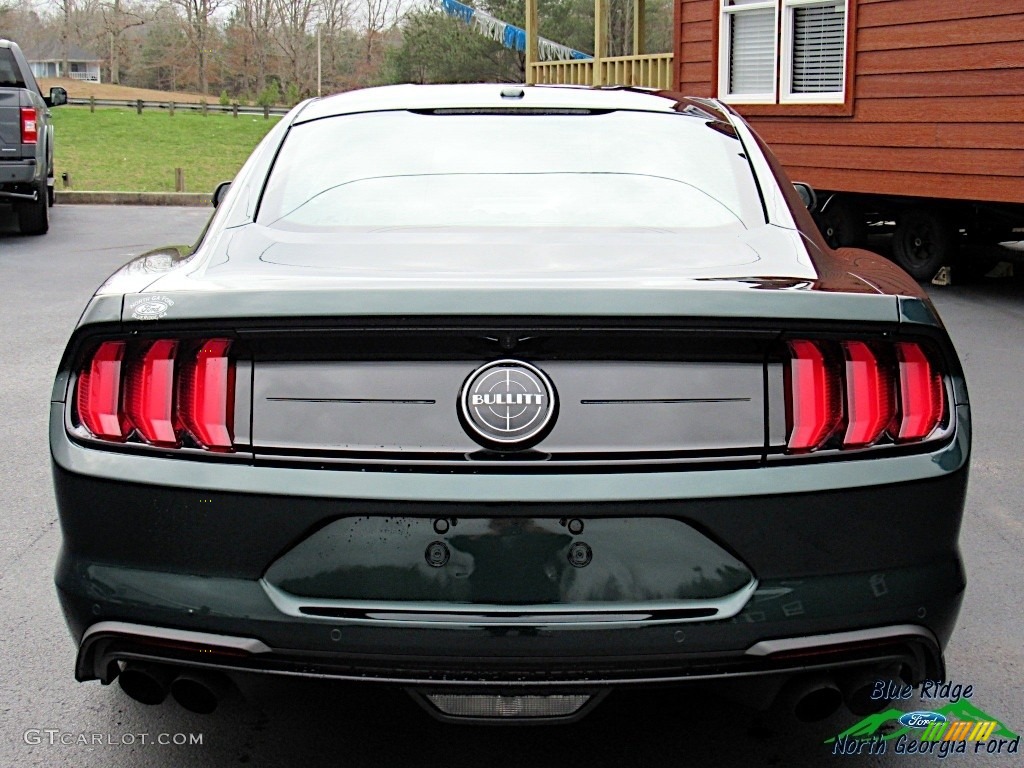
[752,51]
[819,43]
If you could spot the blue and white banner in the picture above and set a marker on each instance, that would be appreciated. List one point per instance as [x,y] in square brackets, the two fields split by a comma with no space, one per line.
[508,35]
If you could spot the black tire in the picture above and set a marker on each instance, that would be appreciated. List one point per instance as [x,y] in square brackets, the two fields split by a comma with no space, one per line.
[923,242]
[33,215]
[51,196]
[842,224]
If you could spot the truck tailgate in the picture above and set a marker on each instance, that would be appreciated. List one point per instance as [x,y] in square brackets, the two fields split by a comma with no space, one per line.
[10,123]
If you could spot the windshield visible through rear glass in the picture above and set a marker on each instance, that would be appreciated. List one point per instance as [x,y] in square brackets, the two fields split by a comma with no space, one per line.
[612,169]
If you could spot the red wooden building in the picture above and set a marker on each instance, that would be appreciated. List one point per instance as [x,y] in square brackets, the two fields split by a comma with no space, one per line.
[905,111]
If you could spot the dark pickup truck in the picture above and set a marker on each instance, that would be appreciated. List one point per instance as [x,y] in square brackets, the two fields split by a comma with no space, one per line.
[26,141]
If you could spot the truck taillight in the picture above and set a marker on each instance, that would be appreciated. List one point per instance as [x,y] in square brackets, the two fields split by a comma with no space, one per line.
[854,397]
[159,393]
[29,125]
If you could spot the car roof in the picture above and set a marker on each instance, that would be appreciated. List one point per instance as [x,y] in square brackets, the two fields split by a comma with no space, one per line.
[489,96]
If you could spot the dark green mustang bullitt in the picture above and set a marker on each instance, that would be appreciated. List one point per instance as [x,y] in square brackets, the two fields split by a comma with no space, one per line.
[510,397]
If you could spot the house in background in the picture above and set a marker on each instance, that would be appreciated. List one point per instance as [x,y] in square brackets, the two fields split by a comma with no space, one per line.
[906,115]
[48,61]
[906,112]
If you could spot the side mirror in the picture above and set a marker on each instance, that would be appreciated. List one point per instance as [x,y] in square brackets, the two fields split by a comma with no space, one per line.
[57,97]
[220,193]
[806,192]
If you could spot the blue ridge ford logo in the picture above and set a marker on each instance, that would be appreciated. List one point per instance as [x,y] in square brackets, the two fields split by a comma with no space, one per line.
[507,404]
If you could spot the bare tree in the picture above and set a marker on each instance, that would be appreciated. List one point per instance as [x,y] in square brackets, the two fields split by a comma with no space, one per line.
[335,17]
[295,24]
[381,15]
[257,20]
[67,10]
[200,29]
[116,19]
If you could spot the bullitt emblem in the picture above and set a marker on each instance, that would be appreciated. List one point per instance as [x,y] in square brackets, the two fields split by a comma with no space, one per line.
[507,404]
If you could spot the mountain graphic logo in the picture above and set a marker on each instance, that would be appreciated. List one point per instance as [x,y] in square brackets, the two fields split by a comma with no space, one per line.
[962,717]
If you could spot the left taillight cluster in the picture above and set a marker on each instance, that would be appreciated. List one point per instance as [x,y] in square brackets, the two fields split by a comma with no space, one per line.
[167,393]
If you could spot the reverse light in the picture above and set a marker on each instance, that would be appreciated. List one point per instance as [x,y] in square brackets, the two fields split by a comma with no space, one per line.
[879,392]
[29,125]
[161,393]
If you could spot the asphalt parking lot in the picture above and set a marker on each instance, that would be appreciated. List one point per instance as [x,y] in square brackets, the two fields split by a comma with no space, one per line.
[44,284]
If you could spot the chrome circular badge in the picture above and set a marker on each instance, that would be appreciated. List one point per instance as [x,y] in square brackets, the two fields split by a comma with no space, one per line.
[507,404]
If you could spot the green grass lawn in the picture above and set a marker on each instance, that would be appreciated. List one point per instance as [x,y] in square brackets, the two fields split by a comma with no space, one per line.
[118,150]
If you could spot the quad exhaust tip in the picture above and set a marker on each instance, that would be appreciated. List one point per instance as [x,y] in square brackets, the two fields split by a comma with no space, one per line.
[812,698]
[198,692]
[146,683]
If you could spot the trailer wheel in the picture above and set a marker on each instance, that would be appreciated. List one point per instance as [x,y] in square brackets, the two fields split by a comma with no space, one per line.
[842,224]
[923,243]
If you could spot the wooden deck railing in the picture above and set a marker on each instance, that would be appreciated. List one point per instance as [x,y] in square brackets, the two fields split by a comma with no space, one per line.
[652,70]
[575,72]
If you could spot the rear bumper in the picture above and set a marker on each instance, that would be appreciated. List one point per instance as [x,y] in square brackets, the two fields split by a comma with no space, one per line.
[909,647]
[14,173]
[825,563]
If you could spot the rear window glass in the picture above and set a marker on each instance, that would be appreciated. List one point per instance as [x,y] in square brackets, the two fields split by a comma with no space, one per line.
[10,74]
[610,169]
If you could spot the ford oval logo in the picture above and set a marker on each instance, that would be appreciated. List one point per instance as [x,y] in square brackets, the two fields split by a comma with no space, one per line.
[921,719]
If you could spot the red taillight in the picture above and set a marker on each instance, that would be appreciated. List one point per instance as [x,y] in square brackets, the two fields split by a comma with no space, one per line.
[99,393]
[869,396]
[29,125]
[161,391]
[922,403]
[207,395]
[815,408]
[149,394]
[896,392]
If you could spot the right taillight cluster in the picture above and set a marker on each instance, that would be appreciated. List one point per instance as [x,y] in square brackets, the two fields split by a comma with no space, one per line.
[852,394]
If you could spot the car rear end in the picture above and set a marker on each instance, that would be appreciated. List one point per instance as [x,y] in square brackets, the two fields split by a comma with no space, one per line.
[421,459]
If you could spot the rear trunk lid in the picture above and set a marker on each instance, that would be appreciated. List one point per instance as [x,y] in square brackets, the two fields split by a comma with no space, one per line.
[255,272]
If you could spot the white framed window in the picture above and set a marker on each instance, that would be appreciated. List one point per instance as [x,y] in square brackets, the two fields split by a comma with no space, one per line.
[782,51]
[748,51]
